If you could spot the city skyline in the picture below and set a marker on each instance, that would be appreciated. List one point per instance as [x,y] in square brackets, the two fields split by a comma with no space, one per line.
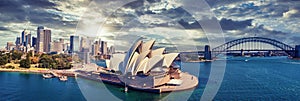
[43,43]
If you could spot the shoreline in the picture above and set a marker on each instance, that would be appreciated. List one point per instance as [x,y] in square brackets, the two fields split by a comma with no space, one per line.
[89,75]
[61,72]
[23,70]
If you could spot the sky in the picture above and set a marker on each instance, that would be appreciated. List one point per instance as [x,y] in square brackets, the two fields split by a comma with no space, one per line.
[185,24]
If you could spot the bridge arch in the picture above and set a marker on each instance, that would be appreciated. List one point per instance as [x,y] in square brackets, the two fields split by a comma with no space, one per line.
[224,47]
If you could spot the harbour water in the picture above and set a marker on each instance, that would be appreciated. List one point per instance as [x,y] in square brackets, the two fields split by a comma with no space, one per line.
[16,86]
[246,78]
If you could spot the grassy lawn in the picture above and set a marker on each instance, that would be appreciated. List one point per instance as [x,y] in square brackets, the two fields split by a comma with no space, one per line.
[13,64]
[32,66]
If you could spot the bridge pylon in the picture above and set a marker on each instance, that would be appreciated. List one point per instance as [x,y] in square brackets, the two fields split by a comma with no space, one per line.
[297,51]
[207,52]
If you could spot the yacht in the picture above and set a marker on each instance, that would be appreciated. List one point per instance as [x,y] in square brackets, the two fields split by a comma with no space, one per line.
[63,78]
[47,75]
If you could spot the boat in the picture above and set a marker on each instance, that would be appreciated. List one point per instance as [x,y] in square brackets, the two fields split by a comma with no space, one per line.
[63,78]
[47,75]
[125,89]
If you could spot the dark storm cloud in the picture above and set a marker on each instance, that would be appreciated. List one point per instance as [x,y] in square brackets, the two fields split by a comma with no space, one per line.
[13,11]
[260,31]
[202,40]
[229,24]
[246,9]
[4,29]
[176,16]
[215,3]
[135,4]
[20,9]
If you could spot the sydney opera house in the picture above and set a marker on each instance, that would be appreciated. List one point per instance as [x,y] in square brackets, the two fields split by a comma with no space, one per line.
[145,69]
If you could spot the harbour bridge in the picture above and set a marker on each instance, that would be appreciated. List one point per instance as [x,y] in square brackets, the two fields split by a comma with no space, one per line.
[251,44]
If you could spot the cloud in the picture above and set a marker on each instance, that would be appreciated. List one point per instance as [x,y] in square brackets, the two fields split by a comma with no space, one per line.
[290,13]
[4,29]
[229,24]
[17,15]
[171,19]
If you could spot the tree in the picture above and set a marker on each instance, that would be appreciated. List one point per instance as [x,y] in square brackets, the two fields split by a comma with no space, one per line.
[16,55]
[3,60]
[45,61]
[34,60]
[25,62]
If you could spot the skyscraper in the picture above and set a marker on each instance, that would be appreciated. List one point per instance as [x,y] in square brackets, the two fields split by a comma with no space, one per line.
[104,47]
[47,40]
[9,46]
[112,50]
[34,41]
[74,44]
[18,41]
[83,43]
[43,39]
[40,39]
[23,37]
[96,48]
[57,46]
[27,39]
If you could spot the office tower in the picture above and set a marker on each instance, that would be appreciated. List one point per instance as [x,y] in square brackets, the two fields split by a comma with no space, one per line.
[100,46]
[84,55]
[112,50]
[57,46]
[27,39]
[104,47]
[96,48]
[68,47]
[9,46]
[23,36]
[34,41]
[43,39]
[74,44]
[65,47]
[40,39]
[47,40]
[18,41]
[83,43]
